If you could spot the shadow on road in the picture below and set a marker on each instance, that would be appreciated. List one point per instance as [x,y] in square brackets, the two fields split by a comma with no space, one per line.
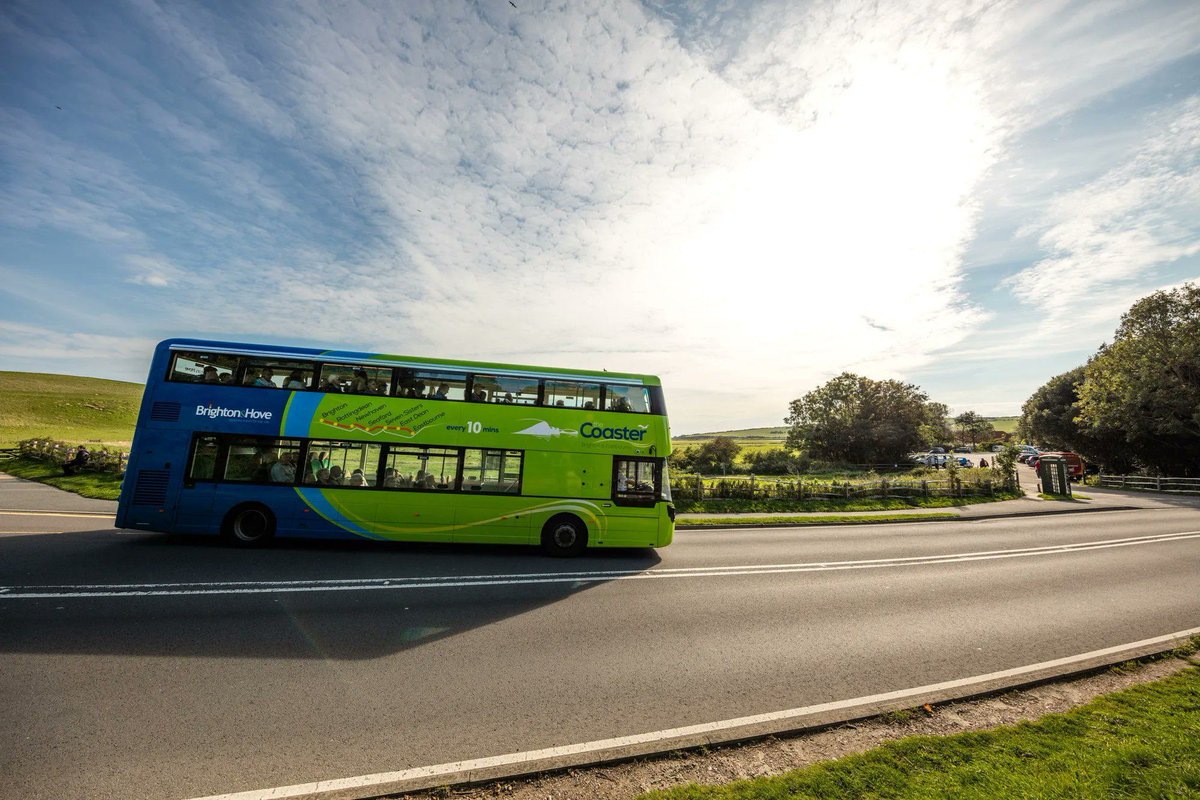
[343,624]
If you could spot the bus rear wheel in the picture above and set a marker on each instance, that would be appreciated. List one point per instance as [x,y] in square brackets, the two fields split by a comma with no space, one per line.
[250,525]
[564,536]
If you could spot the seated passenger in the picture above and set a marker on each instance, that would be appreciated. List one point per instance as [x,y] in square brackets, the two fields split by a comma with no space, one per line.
[336,476]
[266,378]
[210,375]
[389,478]
[333,383]
[589,404]
[323,477]
[429,480]
[620,404]
[284,470]
[440,393]
[360,382]
[295,380]
[227,377]
[471,484]
[357,478]
[478,395]
[508,398]
[559,403]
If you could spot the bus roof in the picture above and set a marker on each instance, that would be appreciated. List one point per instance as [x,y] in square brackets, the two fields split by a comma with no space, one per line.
[417,362]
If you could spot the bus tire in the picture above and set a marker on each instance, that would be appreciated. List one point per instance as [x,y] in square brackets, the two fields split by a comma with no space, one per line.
[564,536]
[249,525]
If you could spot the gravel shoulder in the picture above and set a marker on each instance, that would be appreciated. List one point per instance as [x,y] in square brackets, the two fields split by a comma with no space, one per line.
[776,755]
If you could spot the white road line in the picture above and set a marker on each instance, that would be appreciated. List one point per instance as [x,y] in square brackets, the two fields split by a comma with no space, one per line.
[77,514]
[81,591]
[366,782]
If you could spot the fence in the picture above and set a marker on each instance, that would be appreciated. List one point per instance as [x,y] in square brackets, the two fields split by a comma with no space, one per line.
[696,487]
[102,459]
[1146,483]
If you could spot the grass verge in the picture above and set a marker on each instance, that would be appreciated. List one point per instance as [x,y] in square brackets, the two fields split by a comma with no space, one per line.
[831,504]
[1065,498]
[1137,743]
[823,519]
[97,485]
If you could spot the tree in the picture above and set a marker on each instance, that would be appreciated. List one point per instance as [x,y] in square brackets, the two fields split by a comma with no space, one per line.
[936,430]
[1051,417]
[1145,386]
[857,420]
[972,427]
[715,455]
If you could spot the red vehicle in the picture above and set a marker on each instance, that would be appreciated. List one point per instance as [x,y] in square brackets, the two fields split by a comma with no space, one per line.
[1074,464]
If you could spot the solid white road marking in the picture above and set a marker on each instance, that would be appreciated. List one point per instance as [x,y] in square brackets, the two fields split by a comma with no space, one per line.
[458,767]
[77,514]
[531,578]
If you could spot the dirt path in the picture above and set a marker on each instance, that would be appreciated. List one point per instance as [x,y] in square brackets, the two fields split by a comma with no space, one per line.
[776,755]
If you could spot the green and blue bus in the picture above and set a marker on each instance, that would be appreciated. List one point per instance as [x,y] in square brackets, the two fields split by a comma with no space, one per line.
[254,441]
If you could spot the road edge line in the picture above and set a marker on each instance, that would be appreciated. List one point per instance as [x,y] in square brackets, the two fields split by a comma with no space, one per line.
[722,732]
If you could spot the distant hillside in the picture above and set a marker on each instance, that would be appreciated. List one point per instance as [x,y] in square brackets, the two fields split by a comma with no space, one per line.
[751,440]
[67,408]
[757,439]
[1006,424]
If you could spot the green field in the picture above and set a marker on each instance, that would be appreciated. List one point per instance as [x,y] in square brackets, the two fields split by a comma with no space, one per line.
[754,440]
[1006,424]
[751,440]
[67,408]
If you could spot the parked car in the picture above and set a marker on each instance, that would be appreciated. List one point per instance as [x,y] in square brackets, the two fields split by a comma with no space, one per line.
[962,449]
[1075,465]
[937,450]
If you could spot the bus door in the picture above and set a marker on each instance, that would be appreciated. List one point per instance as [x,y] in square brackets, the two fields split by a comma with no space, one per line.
[636,488]
[417,501]
[193,512]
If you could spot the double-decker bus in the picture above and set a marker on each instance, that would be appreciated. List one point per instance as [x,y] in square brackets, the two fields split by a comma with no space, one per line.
[253,441]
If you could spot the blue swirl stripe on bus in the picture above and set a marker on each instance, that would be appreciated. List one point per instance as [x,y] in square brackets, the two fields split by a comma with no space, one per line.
[297,419]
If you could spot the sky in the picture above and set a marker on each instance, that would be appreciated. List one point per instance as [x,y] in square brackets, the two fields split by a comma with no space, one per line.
[743,198]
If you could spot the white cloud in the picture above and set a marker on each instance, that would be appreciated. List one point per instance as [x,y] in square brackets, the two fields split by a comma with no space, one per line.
[745,198]
[1106,238]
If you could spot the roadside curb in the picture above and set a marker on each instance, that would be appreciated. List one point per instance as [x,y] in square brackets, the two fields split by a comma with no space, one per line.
[725,732]
[914,518]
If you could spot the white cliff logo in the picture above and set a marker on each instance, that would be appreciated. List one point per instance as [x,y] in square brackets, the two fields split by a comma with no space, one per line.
[545,429]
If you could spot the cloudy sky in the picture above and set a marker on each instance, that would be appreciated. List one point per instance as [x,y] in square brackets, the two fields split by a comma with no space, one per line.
[744,198]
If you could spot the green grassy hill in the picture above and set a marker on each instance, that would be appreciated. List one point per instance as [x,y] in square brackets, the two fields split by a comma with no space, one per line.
[67,408]
[751,440]
[1006,424]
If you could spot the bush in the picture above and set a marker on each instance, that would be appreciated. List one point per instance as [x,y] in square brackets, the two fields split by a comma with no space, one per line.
[52,451]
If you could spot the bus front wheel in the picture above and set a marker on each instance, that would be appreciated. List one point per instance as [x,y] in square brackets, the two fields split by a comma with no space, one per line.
[564,535]
[249,525]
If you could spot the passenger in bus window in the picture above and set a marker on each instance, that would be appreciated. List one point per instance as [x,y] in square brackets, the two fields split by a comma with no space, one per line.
[589,405]
[559,403]
[389,478]
[210,375]
[336,476]
[357,478]
[440,393]
[360,382]
[479,395]
[323,477]
[295,380]
[227,377]
[284,470]
[332,384]
[266,378]
[508,398]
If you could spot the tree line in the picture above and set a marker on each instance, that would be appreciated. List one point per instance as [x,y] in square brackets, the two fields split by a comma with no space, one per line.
[1135,404]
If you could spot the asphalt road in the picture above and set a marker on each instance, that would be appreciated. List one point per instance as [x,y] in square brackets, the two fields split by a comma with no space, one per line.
[140,665]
